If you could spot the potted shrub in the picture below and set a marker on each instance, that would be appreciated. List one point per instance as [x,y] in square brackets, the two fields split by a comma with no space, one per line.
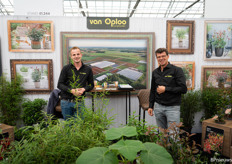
[36,76]
[36,35]
[180,34]
[219,42]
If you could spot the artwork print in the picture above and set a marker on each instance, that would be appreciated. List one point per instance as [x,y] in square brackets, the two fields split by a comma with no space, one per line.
[125,58]
[218,40]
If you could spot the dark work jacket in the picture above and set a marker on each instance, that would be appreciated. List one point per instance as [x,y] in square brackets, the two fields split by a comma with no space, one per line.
[53,100]
[174,81]
[71,78]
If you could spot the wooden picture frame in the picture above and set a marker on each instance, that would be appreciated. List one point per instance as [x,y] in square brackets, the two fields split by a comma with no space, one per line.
[180,37]
[130,56]
[30,36]
[188,68]
[218,41]
[37,74]
[216,76]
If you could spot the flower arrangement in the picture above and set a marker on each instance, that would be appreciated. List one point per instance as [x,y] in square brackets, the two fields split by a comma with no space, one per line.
[221,76]
[219,39]
[36,75]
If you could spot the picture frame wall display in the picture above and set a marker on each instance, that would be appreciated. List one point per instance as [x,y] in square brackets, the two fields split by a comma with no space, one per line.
[124,57]
[180,37]
[218,41]
[30,36]
[216,76]
[189,72]
[37,74]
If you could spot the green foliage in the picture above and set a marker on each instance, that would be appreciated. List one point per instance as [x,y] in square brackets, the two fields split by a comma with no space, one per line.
[180,33]
[36,75]
[11,96]
[186,73]
[14,25]
[190,104]
[210,98]
[126,150]
[219,39]
[36,34]
[24,69]
[33,111]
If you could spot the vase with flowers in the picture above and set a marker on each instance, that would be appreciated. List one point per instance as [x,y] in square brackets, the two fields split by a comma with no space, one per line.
[221,78]
[219,42]
[36,76]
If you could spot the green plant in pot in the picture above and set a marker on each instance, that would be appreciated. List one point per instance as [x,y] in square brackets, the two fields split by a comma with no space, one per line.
[36,35]
[219,42]
[36,76]
[180,34]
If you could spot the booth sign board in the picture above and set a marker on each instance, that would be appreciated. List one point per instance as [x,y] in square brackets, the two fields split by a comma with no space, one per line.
[114,23]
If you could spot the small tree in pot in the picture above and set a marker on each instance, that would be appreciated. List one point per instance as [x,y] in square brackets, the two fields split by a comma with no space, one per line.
[36,35]
[36,76]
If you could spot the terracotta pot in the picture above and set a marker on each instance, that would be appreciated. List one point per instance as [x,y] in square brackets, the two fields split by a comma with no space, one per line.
[35,44]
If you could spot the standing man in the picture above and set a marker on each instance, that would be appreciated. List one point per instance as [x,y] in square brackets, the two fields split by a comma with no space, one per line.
[167,85]
[75,79]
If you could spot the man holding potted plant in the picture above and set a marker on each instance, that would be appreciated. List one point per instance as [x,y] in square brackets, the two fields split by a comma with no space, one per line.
[75,79]
[167,85]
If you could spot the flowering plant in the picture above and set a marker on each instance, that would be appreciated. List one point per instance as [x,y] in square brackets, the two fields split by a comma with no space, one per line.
[36,75]
[228,113]
[219,39]
[214,143]
[221,76]
[219,117]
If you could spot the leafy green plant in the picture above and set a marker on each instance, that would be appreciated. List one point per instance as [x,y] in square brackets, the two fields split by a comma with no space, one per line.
[11,97]
[125,150]
[36,75]
[190,104]
[219,39]
[180,34]
[36,34]
[33,111]
[24,69]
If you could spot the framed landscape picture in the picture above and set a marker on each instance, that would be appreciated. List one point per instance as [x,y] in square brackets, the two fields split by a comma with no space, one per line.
[218,41]
[189,72]
[37,74]
[124,57]
[180,37]
[30,36]
[216,76]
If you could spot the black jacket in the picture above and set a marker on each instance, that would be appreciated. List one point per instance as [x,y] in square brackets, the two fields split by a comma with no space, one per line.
[174,81]
[53,100]
[71,78]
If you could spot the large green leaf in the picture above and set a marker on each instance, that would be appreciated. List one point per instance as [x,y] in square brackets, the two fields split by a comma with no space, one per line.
[116,133]
[155,154]
[97,155]
[128,148]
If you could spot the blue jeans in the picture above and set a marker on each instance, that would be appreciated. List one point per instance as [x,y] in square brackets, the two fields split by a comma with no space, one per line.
[166,115]
[69,109]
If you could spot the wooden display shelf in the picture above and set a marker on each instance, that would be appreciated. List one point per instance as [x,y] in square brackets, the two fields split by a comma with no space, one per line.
[227,127]
[8,129]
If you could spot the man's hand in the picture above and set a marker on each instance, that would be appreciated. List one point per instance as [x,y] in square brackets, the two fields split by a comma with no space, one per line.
[150,111]
[81,90]
[160,89]
[77,91]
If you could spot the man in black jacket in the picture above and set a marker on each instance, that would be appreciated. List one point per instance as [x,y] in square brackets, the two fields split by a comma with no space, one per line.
[75,79]
[167,85]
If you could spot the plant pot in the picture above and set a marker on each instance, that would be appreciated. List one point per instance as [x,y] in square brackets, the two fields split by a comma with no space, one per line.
[35,44]
[180,43]
[220,84]
[219,51]
[37,84]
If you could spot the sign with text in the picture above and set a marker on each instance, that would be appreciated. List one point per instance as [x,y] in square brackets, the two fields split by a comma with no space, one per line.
[114,23]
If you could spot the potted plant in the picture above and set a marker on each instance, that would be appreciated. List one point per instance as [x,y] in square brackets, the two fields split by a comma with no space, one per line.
[36,76]
[36,35]
[180,34]
[221,78]
[219,42]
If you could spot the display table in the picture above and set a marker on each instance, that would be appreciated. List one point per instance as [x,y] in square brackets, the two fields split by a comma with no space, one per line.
[115,90]
[227,128]
[8,129]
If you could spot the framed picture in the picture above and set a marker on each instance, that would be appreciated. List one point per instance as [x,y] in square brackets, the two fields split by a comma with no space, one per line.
[37,74]
[216,76]
[180,37]
[124,57]
[189,72]
[218,41]
[30,36]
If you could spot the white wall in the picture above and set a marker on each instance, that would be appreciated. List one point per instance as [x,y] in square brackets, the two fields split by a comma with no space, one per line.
[76,24]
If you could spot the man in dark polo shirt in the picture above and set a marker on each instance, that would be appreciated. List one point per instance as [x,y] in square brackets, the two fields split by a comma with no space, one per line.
[167,85]
[75,79]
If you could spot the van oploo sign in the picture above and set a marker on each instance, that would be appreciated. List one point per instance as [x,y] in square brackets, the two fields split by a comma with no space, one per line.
[115,23]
